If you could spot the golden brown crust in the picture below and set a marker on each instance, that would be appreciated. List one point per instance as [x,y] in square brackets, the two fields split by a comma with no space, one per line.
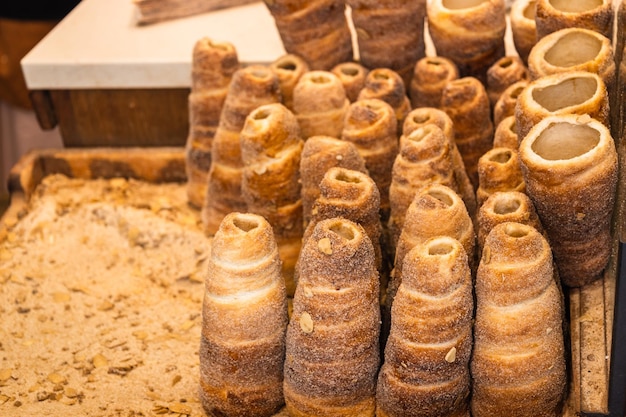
[499,170]
[551,16]
[250,87]
[320,153]
[518,361]
[320,104]
[424,159]
[465,101]
[212,67]
[332,352]
[505,135]
[390,34]
[553,54]
[388,86]
[289,69]
[504,72]
[426,366]
[371,125]
[471,34]
[244,319]
[435,211]
[315,30]
[271,148]
[430,76]
[506,206]
[352,75]
[523,27]
[569,164]
[505,105]
[429,115]
[352,195]
[572,92]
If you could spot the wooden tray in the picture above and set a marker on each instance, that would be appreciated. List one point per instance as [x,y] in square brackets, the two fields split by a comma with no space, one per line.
[591,309]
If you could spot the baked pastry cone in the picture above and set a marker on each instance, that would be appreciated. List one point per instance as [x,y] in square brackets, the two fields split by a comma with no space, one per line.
[271,148]
[320,153]
[435,211]
[502,207]
[430,76]
[499,170]
[505,135]
[388,86]
[212,67]
[250,87]
[573,49]
[466,102]
[429,115]
[244,320]
[505,105]
[372,126]
[523,27]
[503,73]
[320,104]
[569,164]
[551,16]
[470,33]
[352,75]
[424,158]
[425,371]
[352,195]
[518,363]
[332,343]
[315,30]
[390,34]
[289,69]
[572,92]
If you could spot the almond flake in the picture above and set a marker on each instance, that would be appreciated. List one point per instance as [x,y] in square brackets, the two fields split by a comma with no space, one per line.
[306,323]
[451,355]
[324,246]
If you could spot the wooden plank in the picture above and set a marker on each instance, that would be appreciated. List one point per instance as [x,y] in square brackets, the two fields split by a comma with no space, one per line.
[124,117]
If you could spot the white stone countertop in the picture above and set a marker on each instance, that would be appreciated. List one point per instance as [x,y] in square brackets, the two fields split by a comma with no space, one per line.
[100,46]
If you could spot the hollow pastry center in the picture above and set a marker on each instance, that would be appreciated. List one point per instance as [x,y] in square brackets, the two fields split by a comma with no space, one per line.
[567,93]
[575,6]
[441,196]
[504,206]
[245,224]
[501,157]
[350,71]
[529,11]
[287,65]
[572,49]
[344,230]
[345,176]
[563,140]
[421,118]
[461,4]
[439,247]
[516,230]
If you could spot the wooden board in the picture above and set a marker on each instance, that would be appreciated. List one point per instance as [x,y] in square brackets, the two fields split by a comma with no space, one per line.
[152,11]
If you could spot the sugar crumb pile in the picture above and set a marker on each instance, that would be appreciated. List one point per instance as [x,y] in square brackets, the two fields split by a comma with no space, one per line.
[101,286]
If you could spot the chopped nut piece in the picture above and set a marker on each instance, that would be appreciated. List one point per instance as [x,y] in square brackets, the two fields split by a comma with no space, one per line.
[324,246]
[306,322]
[5,374]
[57,379]
[99,361]
[451,355]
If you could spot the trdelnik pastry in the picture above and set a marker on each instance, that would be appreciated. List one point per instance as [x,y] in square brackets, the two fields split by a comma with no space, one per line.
[244,320]
[332,345]
[570,167]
